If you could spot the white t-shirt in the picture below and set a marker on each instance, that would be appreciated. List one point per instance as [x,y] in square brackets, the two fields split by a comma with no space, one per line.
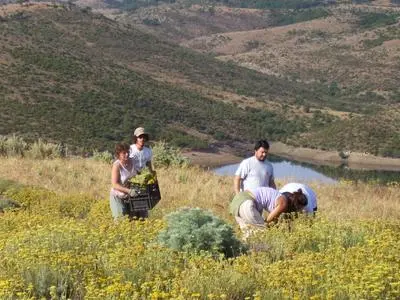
[254,173]
[311,196]
[140,157]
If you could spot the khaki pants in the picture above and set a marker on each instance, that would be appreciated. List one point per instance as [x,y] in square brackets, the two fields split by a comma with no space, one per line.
[249,218]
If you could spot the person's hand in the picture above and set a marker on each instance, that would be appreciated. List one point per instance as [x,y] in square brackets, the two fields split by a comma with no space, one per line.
[133,192]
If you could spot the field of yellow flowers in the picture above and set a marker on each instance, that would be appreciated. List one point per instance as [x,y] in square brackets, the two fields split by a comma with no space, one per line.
[61,243]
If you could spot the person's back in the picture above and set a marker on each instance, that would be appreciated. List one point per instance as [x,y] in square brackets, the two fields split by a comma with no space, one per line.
[307,191]
[265,198]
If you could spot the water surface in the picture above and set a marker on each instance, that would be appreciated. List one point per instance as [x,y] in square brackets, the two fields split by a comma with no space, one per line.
[285,170]
[294,171]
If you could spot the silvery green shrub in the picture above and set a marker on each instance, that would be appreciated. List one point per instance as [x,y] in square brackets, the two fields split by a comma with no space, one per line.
[197,230]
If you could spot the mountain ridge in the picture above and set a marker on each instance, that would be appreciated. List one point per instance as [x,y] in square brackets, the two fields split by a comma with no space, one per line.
[181,91]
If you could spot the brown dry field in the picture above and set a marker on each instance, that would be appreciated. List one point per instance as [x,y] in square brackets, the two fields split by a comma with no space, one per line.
[13,8]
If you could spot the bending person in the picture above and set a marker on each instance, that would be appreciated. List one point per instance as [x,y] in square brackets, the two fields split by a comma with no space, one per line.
[247,207]
[307,191]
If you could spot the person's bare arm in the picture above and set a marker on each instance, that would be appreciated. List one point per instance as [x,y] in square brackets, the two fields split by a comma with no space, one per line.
[236,184]
[115,180]
[280,207]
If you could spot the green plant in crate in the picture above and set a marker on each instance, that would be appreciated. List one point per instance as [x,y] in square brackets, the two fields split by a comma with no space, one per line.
[144,178]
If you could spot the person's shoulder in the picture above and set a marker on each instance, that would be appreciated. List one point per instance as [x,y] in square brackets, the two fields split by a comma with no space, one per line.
[267,162]
[116,163]
[248,160]
[245,162]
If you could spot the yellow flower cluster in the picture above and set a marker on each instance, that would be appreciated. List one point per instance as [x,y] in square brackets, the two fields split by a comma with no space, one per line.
[67,246]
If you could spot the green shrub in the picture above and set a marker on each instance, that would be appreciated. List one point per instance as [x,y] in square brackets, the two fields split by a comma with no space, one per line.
[165,155]
[376,19]
[195,230]
[104,156]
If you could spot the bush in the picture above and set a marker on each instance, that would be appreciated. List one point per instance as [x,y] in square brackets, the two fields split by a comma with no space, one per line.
[12,146]
[104,156]
[165,155]
[195,230]
[7,204]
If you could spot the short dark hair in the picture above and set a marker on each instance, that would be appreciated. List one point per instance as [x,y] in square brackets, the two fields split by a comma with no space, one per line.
[121,147]
[146,138]
[261,143]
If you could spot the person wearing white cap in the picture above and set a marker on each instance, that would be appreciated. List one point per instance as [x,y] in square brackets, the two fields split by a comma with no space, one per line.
[307,191]
[141,154]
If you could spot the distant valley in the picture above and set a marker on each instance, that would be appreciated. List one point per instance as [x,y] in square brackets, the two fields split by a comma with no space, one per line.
[322,76]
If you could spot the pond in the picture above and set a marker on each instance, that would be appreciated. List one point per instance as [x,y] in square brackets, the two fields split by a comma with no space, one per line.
[294,171]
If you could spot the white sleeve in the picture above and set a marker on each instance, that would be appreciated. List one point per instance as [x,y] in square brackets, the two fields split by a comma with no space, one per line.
[242,170]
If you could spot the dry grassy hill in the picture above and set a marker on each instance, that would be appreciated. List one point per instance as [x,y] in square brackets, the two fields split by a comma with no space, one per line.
[320,77]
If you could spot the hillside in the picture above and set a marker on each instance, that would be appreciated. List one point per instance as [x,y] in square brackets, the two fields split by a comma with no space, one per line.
[350,50]
[70,75]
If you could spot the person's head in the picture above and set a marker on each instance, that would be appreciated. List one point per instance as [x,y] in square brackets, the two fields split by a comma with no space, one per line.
[297,201]
[140,136]
[121,151]
[261,150]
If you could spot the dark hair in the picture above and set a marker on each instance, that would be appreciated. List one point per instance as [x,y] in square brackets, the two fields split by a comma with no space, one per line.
[261,143]
[296,201]
[121,147]
[146,138]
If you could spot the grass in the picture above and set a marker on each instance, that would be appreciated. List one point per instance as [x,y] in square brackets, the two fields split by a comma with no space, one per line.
[63,243]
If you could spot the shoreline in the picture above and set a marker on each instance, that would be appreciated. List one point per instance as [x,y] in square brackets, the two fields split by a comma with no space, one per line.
[357,161]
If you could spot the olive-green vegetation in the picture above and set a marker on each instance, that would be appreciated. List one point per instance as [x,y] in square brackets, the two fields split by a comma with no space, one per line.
[75,77]
[68,75]
[260,4]
[285,17]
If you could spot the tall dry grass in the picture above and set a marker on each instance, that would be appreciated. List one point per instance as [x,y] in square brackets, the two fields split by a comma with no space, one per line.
[62,242]
[195,187]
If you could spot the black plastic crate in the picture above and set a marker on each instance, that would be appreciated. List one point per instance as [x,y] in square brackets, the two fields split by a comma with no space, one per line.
[147,199]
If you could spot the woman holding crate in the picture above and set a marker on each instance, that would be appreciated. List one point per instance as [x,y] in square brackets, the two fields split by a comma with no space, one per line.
[123,169]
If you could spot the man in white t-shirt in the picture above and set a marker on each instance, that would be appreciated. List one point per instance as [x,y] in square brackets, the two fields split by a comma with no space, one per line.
[307,191]
[140,154]
[255,171]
